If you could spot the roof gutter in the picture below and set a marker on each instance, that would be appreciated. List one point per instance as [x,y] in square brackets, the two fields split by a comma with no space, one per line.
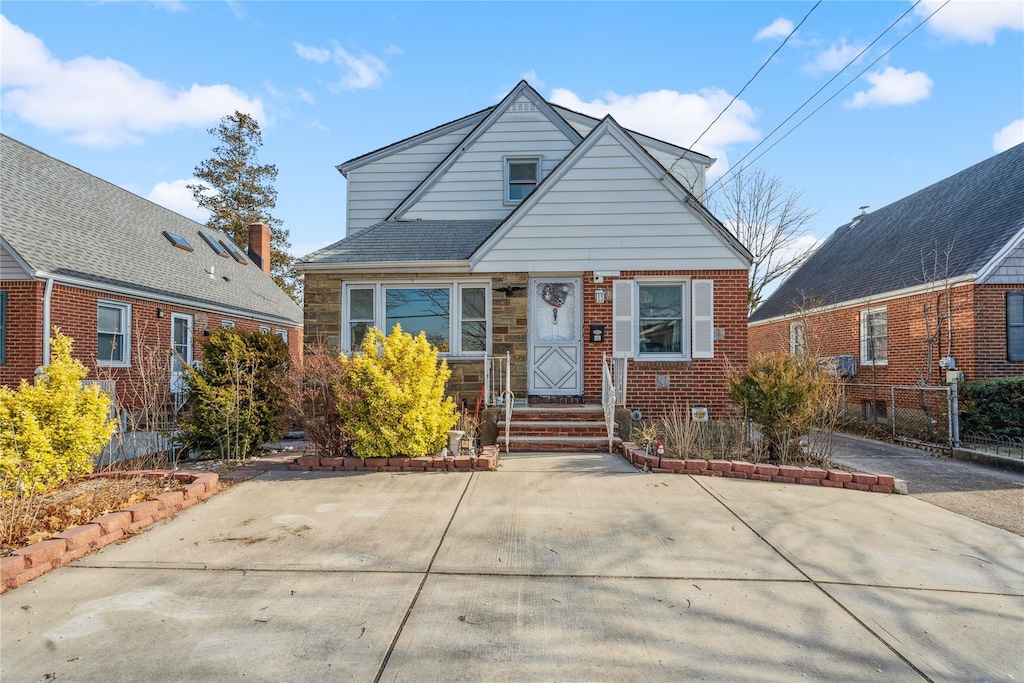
[871,300]
[47,295]
[150,296]
[386,267]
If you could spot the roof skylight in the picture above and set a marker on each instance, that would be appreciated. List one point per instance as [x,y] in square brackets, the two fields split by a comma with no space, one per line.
[233,250]
[214,244]
[178,241]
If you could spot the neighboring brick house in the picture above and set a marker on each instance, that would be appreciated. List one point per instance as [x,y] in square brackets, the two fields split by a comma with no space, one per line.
[532,230]
[121,275]
[935,276]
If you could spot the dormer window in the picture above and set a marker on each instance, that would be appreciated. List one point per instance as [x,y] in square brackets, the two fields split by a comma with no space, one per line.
[521,176]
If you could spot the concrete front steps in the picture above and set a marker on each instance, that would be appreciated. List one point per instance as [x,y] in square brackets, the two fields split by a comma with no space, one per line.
[556,428]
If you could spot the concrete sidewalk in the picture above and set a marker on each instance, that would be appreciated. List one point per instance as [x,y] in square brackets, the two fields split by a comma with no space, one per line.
[987,493]
[573,568]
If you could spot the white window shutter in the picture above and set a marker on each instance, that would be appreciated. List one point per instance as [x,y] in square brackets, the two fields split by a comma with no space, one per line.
[622,318]
[703,319]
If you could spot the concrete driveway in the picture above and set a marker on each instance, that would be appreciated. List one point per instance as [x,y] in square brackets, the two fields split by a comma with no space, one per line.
[570,568]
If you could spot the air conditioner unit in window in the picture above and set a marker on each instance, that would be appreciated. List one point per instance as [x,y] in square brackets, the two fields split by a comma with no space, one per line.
[840,366]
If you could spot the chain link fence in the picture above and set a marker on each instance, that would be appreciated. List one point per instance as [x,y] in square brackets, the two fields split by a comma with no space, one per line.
[920,415]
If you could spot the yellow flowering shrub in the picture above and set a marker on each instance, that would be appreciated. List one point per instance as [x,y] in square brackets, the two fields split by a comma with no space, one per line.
[53,431]
[401,409]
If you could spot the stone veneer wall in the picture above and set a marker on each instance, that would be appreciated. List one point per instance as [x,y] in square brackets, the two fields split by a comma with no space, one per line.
[322,313]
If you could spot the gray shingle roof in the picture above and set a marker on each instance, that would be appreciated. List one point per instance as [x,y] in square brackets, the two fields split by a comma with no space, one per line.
[977,211]
[65,222]
[406,241]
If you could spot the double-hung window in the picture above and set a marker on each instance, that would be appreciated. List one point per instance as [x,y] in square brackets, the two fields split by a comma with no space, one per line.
[797,339]
[521,176]
[874,337]
[3,327]
[1015,325]
[663,319]
[452,315]
[113,333]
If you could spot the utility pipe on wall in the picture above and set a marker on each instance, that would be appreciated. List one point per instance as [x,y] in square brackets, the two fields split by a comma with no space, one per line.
[47,292]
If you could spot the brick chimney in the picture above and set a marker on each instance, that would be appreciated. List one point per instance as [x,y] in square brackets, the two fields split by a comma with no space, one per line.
[259,245]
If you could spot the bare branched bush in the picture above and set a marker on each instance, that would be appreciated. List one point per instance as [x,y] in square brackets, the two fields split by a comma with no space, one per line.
[318,385]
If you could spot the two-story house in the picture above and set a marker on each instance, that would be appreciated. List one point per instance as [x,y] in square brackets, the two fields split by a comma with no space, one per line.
[529,230]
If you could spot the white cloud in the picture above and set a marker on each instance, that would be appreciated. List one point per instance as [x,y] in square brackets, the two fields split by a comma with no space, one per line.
[892,87]
[102,102]
[532,78]
[834,58]
[173,6]
[176,196]
[972,21]
[675,117]
[316,125]
[357,73]
[779,28]
[320,55]
[393,50]
[1009,137]
[304,95]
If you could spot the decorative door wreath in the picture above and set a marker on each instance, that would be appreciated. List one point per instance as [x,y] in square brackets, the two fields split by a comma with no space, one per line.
[554,294]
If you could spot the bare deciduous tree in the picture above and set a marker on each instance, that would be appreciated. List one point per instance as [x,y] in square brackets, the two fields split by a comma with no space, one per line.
[769,220]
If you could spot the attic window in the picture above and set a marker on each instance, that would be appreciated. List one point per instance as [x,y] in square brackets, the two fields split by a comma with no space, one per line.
[521,176]
[233,250]
[178,241]
[214,244]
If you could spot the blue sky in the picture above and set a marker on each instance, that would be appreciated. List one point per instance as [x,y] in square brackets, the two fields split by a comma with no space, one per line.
[127,90]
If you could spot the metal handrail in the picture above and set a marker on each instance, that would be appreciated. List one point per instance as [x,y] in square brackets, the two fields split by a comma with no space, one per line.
[613,391]
[504,395]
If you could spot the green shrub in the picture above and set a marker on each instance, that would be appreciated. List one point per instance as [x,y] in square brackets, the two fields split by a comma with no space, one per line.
[396,404]
[237,397]
[993,406]
[785,396]
[53,431]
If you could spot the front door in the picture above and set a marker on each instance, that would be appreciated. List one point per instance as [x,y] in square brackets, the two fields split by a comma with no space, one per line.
[181,350]
[556,348]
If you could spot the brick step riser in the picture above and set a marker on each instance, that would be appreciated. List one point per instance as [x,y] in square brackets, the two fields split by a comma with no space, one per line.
[555,447]
[554,431]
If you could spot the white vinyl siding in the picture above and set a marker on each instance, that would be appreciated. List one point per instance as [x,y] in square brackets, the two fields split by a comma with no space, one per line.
[690,174]
[474,187]
[376,189]
[1010,271]
[608,212]
[10,269]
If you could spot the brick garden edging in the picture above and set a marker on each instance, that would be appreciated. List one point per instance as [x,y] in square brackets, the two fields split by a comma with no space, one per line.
[34,560]
[737,469]
[487,462]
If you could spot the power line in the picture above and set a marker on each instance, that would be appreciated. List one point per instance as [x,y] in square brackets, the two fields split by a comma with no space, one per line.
[718,184]
[767,61]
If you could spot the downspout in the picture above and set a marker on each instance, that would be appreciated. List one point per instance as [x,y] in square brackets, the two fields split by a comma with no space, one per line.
[47,292]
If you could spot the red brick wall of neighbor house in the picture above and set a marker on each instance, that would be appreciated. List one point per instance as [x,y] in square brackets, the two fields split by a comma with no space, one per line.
[979,336]
[990,325]
[24,330]
[700,382]
[73,310]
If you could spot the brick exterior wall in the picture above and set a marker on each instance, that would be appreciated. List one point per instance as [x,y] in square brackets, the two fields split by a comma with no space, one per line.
[73,310]
[978,330]
[697,382]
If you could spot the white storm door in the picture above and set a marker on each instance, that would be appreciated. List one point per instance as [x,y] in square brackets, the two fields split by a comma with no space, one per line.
[181,350]
[555,328]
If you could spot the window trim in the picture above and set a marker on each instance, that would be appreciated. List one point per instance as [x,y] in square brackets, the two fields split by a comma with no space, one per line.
[864,339]
[454,288]
[507,181]
[265,328]
[126,319]
[227,323]
[282,333]
[686,318]
[1010,356]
